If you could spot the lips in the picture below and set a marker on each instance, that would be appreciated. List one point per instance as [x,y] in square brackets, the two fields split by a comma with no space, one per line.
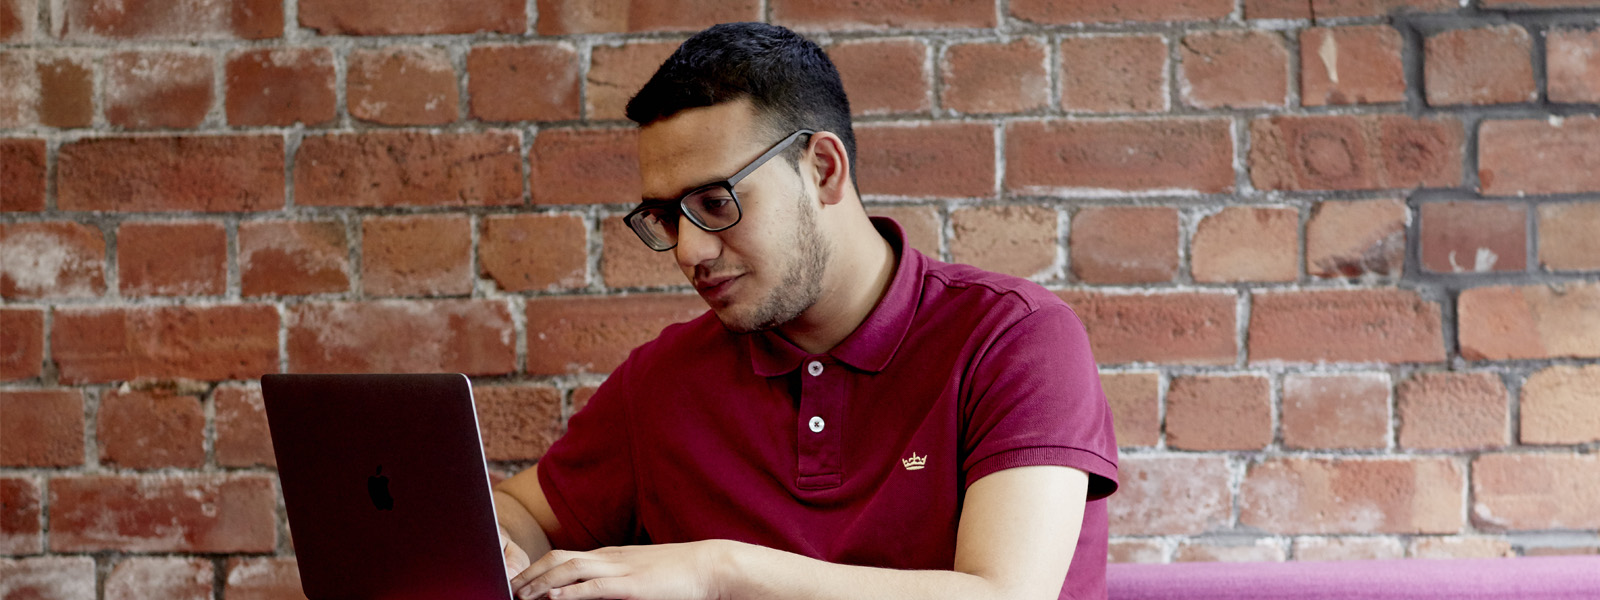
[712,288]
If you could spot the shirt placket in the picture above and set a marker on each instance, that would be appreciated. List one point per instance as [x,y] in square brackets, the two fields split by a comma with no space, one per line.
[819,424]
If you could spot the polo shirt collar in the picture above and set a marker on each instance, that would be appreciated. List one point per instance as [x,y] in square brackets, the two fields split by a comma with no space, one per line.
[873,344]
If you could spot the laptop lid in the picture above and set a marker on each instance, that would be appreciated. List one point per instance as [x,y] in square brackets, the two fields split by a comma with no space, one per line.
[386,487]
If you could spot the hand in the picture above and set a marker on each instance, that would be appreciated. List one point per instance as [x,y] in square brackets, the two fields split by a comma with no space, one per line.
[690,571]
[516,560]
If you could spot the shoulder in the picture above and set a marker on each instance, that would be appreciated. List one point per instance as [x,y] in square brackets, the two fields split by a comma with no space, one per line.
[1008,297]
[700,337]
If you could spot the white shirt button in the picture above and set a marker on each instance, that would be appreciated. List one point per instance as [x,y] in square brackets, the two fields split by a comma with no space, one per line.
[816,422]
[815,368]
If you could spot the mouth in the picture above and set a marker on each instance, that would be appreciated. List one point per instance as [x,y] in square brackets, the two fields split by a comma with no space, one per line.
[712,288]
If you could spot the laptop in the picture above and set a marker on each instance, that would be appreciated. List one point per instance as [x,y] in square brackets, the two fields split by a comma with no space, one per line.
[386,487]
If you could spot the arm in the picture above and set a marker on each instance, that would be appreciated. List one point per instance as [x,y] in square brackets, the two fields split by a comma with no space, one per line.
[525,517]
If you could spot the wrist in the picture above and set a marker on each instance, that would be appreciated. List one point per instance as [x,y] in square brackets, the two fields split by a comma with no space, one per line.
[733,562]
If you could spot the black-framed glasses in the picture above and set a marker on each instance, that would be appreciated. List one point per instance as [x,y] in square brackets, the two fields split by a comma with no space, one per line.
[712,207]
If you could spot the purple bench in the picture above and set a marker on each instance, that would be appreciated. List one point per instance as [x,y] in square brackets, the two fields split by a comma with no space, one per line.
[1549,577]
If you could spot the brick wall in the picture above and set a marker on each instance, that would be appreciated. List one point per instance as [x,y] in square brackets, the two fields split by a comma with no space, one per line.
[1338,259]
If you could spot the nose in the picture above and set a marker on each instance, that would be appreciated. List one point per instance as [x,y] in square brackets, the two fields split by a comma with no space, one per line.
[696,246]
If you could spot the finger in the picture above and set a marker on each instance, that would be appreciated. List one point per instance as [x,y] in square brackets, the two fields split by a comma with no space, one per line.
[549,561]
[516,560]
[598,589]
[568,573]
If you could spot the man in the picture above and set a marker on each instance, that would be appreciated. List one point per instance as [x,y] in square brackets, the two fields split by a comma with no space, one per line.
[851,419]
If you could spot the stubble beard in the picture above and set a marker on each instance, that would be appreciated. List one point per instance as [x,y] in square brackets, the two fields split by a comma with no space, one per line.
[801,285]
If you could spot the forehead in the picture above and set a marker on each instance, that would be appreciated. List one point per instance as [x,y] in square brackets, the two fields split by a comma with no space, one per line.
[697,146]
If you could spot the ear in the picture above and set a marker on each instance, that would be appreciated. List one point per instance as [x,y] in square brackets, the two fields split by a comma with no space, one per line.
[830,167]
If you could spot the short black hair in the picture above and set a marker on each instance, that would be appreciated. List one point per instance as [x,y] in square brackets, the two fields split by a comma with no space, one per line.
[789,80]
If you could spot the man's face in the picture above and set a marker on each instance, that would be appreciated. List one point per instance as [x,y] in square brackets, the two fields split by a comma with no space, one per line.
[767,269]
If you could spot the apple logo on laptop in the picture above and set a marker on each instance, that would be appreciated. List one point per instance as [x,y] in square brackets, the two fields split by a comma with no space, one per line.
[378,488]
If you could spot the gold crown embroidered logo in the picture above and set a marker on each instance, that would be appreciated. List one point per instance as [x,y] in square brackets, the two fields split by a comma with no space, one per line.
[915,462]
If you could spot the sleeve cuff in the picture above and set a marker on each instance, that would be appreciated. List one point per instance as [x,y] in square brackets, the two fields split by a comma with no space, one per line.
[1102,472]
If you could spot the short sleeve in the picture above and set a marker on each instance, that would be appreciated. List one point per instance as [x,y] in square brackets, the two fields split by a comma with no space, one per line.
[1034,398]
[588,474]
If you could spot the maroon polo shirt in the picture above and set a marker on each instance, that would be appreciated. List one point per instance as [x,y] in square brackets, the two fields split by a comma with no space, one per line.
[861,455]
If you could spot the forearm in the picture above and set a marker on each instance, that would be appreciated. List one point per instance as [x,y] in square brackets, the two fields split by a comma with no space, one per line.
[758,572]
[520,524]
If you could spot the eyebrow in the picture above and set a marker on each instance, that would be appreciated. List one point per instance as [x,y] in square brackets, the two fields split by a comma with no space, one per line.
[681,194]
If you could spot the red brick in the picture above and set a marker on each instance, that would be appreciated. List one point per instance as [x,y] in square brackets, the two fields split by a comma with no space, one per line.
[593,334]
[562,17]
[409,168]
[1114,73]
[581,396]
[1447,411]
[1536,492]
[263,578]
[1153,485]
[163,513]
[1015,240]
[1135,551]
[1572,64]
[19,20]
[243,439]
[1335,411]
[1349,152]
[1353,495]
[48,577]
[1474,237]
[413,17]
[1538,4]
[625,262]
[396,336]
[1529,322]
[102,344]
[293,257]
[1347,548]
[1460,547]
[1119,11]
[184,258]
[1351,65]
[1560,550]
[1246,243]
[884,76]
[1115,244]
[151,430]
[534,252]
[820,15]
[1490,65]
[1098,157]
[89,20]
[1219,412]
[157,90]
[617,72]
[1325,9]
[416,255]
[928,159]
[42,428]
[518,422]
[209,173]
[1247,550]
[1277,9]
[53,259]
[1366,325]
[1566,236]
[402,85]
[1185,328]
[986,78]
[1234,69]
[533,82]
[585,166]
[54,88]
[1135,400]
[22,348]
[1357,237]
[20,527]
[22,175]
[159,577]
[921,225]
[1539,156]
[1561,405]
[281,86]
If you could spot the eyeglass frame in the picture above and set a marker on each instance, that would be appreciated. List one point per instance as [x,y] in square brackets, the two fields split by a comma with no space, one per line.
[726,184]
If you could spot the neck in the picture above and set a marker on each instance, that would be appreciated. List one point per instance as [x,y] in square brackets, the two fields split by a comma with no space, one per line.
[858,275]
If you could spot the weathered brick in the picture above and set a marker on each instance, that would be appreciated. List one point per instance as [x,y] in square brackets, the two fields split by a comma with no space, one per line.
[159,577]
[1207,412]
[563,17]
[533,82]
[581,396]
[156,90]
[1350,152]
[1357,237]
[184,258]
[1370,325]
[1277,9]
[518,422]
[625,262]
[475,337]
[408,168]
[1135,551]
[1135,400]
[281,86]
[593,334]
[19,20]
[1538,4]
[1351,65]
[413,17]
[921,225]
[585,166]
[1246,243]
[52,259]
[263,578]
[1566,236]
[1199,484]
[1489,65]
[1561,405]
[91,20]
[1015,240]
[1186,328]
[617,72]
[929,159]
[416,255]
[1122,73]
[1119,11]
[1335,411]
[1536,492]
[1247,550]
[1560,550]
[22,175]
[819,15]
[42,428]
[1099,157]
[1529,322]
[101,344]
[1572,65]
[243,439]
[1474,237]
[151,430]
[293,257]
[1234,69]
[53,88]
[48,577]
[22,347]
[995,77]
[402,85]
[1539,156]
[1460,547]
[163,513]
[188,173]
[1124,244]
[1445,410]
[1352,495]
[1347,548]
[1324,9]
[884,76]
[20,508]
[534,252]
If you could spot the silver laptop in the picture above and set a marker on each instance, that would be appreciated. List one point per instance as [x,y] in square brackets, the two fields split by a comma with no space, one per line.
[386,486]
